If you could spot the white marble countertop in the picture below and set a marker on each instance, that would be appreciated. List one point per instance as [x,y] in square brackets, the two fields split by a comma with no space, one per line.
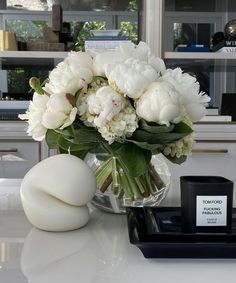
[98,253]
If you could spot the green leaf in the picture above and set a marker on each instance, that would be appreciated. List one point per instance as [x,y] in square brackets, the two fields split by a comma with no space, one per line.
[71,146]
[77,139]
[80,154]
[154,128]
[162,138]
[67,132]
[52,138]
[87,135]
[179,131]
[79,133]
[182,128]
[176,160]
[146,145]
[56,140]
[134,159]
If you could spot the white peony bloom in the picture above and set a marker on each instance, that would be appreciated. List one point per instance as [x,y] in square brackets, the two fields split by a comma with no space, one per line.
[140,51]
[196,107]
[34,116]
[160,104]
[74,73]
[105,103]
[143,53]
[105,62]
[82,59]
[132,77]
[157,63]
[59,113]
[188,88]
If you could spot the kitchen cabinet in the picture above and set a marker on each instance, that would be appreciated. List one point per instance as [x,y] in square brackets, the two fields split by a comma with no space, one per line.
[18,151]
[17,157]
[214,154]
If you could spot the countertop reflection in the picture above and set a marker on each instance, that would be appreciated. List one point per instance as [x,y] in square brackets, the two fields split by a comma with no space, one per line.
[90,254]
[99,252]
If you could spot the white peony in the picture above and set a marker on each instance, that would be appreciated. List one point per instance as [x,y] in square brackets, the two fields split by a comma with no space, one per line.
[105,103]
[34,115]
[132,77]
[143,53]
[59,113]
[105,62]
[74,73]
[157,63]
[188,88]
[160,104]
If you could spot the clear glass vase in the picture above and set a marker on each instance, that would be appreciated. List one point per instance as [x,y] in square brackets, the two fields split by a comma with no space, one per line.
[113,196]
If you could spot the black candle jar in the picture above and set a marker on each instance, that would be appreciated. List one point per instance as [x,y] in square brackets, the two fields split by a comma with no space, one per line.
[206,203]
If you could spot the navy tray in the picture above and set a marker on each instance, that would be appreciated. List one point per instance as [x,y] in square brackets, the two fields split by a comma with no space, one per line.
[157,232]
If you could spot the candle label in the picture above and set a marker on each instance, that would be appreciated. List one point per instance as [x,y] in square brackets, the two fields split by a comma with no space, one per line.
[211,211]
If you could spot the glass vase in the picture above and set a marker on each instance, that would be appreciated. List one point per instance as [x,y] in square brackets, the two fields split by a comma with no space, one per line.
[113,195]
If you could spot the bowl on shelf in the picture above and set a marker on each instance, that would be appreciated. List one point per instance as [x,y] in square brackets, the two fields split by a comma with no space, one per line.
[108,32]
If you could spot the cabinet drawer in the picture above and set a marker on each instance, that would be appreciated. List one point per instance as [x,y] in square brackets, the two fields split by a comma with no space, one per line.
[17,157]
[208,158]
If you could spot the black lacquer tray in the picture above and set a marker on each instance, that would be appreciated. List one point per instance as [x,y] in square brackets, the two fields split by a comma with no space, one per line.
[157,232]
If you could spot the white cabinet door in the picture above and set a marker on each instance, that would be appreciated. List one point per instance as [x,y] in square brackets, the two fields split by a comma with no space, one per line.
[208,158]
[17,157]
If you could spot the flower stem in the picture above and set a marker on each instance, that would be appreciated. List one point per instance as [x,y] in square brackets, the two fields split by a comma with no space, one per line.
[125,184]
[150,185]
[140,185]
[106,184]
[103,172]
[155,176]
[115,182]
[133,187]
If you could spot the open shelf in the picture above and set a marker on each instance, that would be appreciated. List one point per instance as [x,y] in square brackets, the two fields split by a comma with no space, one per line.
[201,60]
[25,58]
[11,59]
[201,55]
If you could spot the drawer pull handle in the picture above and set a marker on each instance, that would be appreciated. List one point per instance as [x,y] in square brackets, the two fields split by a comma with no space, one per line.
[209,150]
[8,149]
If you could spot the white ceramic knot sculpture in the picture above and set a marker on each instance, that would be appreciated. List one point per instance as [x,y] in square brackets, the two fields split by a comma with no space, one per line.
[55,193]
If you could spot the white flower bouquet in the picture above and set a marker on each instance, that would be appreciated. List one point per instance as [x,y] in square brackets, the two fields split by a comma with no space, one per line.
[125,102]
